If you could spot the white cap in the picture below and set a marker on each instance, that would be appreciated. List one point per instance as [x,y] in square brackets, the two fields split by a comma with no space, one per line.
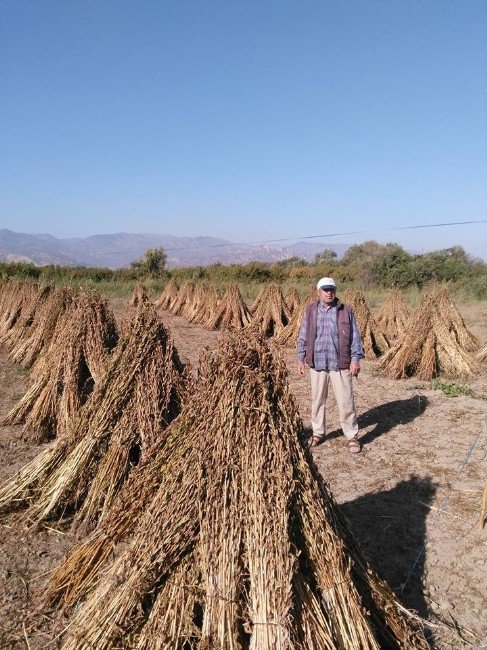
[326,283]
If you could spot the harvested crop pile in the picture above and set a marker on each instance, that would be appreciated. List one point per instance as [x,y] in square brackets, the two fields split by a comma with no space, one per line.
[139,295]
[374,342]
[168,296]
[288,336]
[429,346]
[393,316]
[33,296]
[233,540]
[454,321]
[64,376]
[200,298]
[36,339]
[481,354]
[292,300]
[184,300]
[207,307]
[139,394]
[16,297]
[230,312]
[269,312]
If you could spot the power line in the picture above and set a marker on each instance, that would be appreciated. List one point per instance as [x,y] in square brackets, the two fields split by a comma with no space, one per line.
[324,236]
[335,234]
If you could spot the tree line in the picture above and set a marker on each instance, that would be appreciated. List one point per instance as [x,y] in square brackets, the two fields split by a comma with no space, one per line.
[370,263]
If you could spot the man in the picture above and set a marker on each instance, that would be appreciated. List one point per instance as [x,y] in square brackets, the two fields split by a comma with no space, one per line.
[329,343]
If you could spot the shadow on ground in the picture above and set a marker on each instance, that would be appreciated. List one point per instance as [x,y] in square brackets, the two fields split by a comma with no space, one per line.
[387,416]
[390,526]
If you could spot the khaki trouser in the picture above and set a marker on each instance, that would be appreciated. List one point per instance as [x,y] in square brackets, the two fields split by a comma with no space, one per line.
[341,380]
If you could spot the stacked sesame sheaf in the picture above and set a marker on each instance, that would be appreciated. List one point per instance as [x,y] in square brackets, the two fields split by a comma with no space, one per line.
[66,337]
[140,392]
[226,536]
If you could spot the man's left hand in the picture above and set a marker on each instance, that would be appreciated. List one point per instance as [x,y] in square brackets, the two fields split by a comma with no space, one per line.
[354,369]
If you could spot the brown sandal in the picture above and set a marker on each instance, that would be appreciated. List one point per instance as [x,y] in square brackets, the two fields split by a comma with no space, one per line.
[354,446]
[316,439]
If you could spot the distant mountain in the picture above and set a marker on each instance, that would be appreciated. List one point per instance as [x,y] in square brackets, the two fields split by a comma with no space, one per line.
[40,249]
[120,249]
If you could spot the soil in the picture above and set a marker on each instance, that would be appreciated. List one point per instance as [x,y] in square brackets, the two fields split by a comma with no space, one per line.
[412,497]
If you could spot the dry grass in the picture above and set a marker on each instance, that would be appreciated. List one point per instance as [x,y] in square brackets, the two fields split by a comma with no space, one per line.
[64,376]
[168,296]
[393,316]
[230,537]
[231,312]
[136,398]
[270,314]
[373,340]
[430,346]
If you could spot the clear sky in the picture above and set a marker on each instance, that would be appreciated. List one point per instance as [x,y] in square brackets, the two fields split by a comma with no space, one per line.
[245,119]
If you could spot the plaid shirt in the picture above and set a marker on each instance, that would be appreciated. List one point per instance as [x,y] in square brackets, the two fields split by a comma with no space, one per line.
[326,343]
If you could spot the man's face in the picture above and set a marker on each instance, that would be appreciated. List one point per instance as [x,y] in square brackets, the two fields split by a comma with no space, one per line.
[327,296]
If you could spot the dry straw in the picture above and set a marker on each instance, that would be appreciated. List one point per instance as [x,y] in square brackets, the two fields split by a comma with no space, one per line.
[481,354]
[200,299]
[50,304]
[138,395]
[65,374]
[168,296]
[430,344]
[229,539]
[184,300]
[33,297]
[289,335]
[139,295]
[231,312]
[393,316]
[373,340]
[454,321]
[270,314]
[207,306]
[292,299]
[16,299]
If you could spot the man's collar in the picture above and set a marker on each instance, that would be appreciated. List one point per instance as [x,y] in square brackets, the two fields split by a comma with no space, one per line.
[333,304]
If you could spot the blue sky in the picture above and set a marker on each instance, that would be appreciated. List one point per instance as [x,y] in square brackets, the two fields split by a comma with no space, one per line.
[245,120]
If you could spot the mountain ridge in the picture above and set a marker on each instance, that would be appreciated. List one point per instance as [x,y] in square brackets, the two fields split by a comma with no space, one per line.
[118,250]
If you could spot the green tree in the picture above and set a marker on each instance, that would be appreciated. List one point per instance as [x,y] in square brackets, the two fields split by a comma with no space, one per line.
[395,267]
[326,256]
[445,264]
[386,264]
[153,263]
[291,262]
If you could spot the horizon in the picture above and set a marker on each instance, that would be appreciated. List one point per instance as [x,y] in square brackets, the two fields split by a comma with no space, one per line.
[246,122]
[281,243]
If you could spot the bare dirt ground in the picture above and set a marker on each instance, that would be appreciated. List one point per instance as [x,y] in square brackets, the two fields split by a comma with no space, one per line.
[412,497]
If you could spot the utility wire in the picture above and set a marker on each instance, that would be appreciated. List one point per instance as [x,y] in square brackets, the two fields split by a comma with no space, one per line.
[335,234]
[325,236]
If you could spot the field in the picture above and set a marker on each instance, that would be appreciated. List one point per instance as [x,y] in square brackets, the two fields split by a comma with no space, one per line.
[412,497]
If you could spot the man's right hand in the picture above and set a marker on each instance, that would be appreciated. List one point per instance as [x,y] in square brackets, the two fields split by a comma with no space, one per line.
[301,368]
